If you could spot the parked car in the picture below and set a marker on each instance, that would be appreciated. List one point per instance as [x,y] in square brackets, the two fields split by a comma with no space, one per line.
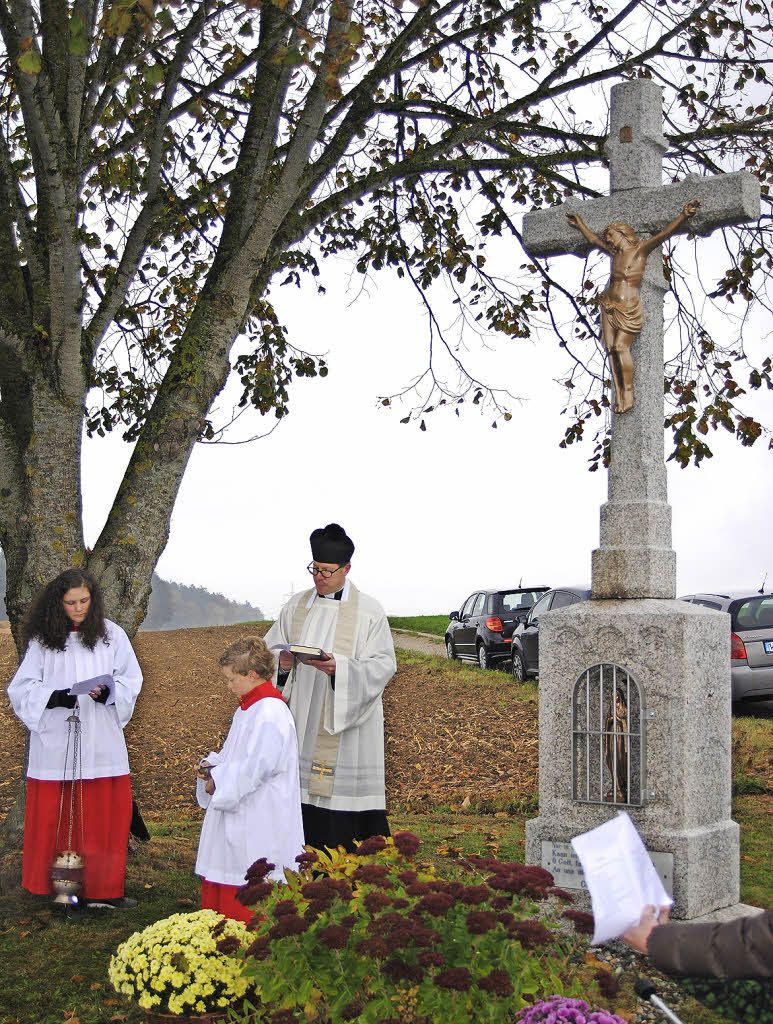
[481,629]
[751,640]
[524,646]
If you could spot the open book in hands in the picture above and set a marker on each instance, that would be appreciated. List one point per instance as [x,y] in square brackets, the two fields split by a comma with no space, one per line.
[302,653]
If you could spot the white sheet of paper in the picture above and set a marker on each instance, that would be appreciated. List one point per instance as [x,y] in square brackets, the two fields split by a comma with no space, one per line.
[87,685]
[621,878]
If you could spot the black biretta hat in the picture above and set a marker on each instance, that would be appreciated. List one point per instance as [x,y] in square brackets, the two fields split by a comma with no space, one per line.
[331,545]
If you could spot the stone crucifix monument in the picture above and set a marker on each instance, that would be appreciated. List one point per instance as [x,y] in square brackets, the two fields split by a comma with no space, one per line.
[634,686]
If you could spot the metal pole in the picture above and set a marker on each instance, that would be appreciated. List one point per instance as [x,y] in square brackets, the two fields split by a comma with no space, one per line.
[646,990]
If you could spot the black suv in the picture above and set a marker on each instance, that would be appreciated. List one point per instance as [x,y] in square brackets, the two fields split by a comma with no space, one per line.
[482,628]
[524,645]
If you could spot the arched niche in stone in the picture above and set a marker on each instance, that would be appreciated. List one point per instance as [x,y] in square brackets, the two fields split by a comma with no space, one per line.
[608,738]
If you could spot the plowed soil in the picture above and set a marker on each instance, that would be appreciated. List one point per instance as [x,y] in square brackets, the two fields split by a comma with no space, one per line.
[452,733]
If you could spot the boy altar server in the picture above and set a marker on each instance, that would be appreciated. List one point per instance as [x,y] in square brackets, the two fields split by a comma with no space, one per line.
[250,788]
[336,699]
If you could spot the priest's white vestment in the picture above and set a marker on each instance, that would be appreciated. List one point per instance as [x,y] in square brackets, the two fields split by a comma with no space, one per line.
[255,810]
[340,725]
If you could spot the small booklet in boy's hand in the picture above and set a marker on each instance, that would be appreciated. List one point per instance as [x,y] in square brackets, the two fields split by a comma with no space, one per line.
[87,685]
[302,653]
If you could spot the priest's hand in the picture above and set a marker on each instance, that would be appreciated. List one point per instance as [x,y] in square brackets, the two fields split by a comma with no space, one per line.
[210,786]
[99,694]
[285,661]
[326,664]
[639,934]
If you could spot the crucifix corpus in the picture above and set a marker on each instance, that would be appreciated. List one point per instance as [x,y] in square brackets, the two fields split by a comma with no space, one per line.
[621,675]
[635,219]
[622,315]
[630,224]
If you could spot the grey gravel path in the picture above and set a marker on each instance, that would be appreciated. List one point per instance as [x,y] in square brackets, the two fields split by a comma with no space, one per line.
[423,643]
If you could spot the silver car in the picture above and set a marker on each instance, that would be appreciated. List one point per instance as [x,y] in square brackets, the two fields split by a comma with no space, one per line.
[751,640]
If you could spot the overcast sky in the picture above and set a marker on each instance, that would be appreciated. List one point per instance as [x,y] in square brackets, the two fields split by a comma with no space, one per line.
[433,514]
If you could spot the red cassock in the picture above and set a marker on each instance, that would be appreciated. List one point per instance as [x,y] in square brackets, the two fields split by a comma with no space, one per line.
[222,898]
[103,804]
[102,840]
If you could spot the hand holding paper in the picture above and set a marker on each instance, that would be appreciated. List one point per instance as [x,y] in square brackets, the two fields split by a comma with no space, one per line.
[92,687]
[620,876]
[639,935]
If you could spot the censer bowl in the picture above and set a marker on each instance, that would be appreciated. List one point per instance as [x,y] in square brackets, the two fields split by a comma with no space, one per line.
[67,876]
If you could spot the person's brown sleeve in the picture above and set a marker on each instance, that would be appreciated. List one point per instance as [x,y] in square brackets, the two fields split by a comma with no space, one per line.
[742,948]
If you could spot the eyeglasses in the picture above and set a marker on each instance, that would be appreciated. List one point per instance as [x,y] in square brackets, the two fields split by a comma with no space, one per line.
[324,573]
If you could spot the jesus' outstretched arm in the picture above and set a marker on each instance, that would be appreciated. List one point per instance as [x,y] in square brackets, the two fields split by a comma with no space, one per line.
[576,221]
[688,211]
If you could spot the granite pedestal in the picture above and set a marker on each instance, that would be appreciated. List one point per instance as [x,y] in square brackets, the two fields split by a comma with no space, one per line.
[680,655]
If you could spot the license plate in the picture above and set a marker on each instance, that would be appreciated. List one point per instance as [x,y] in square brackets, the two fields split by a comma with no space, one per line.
[769,646]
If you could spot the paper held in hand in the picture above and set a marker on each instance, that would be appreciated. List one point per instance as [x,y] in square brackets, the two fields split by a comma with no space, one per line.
[87,685]
[302,653]
[620,876]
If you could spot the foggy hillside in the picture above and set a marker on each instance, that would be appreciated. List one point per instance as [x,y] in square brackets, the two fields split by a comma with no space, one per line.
[176,606]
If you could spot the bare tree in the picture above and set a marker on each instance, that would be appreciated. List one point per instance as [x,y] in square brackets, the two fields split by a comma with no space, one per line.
[161,163]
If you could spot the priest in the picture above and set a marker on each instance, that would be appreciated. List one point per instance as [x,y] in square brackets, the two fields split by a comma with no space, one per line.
[336,698]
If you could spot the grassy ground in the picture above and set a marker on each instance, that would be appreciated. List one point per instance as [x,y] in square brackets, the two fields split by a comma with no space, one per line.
[420,623]
[52,972]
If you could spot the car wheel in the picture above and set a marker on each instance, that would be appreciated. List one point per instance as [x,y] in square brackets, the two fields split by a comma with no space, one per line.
[450,649]
[519,671]
[483,659]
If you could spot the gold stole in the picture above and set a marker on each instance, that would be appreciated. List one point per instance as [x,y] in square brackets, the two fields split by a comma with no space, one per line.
[323,764]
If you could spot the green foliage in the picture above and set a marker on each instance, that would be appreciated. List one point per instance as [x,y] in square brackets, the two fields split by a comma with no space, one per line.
[374,935]
[747,784]
[749,1001]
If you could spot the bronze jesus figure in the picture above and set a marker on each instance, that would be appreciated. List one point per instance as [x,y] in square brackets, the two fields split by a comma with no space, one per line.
[621,305]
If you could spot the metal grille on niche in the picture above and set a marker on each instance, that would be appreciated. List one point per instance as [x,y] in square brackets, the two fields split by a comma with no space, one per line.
[608,738]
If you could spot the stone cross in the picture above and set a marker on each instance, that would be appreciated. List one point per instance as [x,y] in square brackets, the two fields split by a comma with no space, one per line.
[635,558]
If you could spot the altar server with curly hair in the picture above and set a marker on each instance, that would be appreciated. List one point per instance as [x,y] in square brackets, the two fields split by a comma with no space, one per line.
[69,641]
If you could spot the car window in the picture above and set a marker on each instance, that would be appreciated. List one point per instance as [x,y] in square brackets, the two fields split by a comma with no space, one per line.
[562,599]
[519,602]
[467,606]
[477,608]
[708,604]
[752,613]
[540,607]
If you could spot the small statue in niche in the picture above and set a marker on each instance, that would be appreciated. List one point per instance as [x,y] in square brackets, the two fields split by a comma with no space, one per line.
[622,315]
[616,749]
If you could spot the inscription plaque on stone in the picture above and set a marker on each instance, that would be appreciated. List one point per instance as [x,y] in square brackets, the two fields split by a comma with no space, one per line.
[561,861]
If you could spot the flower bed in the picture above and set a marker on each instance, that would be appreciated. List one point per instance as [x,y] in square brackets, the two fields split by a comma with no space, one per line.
[376,937]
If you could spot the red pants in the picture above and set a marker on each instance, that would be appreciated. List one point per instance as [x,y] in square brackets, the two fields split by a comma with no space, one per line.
[222,898]
[106,815]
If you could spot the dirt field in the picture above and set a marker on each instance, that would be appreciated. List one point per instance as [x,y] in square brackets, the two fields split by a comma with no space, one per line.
[450,733]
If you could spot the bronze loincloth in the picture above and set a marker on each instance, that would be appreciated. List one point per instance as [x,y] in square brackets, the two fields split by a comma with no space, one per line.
[624,316]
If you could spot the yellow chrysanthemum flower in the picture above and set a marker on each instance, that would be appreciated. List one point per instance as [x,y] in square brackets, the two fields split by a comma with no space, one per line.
[174,964]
